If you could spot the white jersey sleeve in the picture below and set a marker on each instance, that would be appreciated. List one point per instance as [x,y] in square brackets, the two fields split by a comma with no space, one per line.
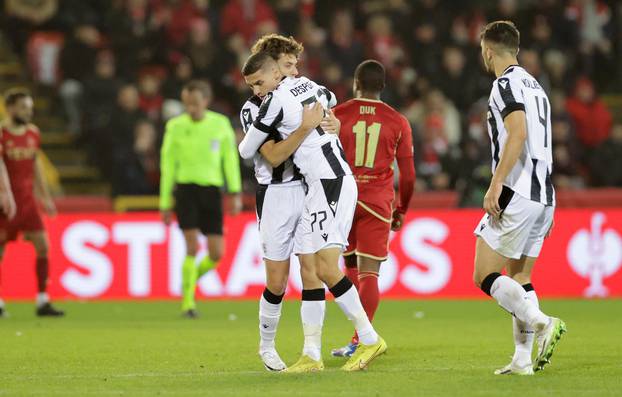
[331,99]
[246,117]
[507,96]
[264,172]
[270,114]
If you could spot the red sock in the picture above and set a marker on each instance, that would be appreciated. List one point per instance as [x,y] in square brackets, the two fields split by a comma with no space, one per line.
[42,274]
[353,275]
[369,295]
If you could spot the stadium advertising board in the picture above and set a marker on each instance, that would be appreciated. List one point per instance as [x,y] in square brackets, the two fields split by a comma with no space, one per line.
[134,256]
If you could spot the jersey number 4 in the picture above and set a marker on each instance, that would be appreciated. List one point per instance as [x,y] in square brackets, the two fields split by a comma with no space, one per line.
[543,119]
[363,157]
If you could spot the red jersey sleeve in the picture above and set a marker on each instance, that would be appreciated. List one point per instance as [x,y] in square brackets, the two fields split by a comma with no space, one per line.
[405,144]
[406,165]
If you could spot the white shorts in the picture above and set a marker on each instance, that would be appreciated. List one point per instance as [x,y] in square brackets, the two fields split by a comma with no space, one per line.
[521,229]
[327,215]
[279,208]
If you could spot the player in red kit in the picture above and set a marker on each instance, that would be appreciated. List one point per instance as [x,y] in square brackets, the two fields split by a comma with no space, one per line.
[373,136]
[21,183]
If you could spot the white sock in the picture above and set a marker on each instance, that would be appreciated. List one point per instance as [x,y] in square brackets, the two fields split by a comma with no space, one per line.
[42,298]
[1,304]
[523,336]
[312,315]
[512,297]
[350,304]
[269,316]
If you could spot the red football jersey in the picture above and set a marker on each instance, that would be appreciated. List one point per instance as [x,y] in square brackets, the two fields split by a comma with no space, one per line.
[373,135]
[19,152]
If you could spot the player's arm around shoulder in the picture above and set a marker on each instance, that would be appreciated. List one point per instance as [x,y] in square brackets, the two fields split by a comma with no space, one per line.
[330,123]
[270,111]
[276,153]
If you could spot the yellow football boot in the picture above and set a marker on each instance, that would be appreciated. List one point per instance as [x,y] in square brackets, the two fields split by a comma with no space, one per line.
[364,355]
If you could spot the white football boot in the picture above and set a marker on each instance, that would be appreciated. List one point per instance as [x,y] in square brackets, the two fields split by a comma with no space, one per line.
[513,369]
[272,361]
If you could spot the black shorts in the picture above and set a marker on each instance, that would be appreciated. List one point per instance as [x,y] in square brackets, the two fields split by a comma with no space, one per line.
[199,207]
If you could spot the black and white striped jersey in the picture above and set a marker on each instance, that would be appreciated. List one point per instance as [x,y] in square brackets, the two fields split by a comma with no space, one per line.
[320,156]
[264,172]
[515,90]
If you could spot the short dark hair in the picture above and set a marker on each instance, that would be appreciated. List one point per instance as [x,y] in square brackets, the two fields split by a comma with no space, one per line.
[13,95]
[256,62]
[502,33]
[276,44]
[370,75]
[199,85]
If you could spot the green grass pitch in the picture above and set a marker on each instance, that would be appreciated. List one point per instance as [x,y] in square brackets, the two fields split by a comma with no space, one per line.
[436,348]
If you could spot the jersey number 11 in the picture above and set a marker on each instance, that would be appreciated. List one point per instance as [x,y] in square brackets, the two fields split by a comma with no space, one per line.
[361,130]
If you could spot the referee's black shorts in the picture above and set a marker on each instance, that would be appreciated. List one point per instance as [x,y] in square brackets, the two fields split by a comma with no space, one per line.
[199,207]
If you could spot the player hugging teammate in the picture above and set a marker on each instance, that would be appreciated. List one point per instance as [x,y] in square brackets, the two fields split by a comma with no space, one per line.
[320,234]
[280,193]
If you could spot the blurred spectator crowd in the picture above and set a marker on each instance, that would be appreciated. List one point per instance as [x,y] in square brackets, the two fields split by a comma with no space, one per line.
[122,64]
